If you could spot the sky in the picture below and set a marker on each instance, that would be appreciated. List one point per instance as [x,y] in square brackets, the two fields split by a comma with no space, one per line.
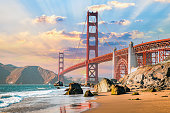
[33,32]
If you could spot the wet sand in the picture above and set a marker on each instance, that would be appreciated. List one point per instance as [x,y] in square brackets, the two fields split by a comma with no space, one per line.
[151,102]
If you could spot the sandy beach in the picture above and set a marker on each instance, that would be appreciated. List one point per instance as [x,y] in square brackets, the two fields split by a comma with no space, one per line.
[151,102]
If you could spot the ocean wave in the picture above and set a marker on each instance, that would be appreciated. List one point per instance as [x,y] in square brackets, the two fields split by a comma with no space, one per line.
[15,97]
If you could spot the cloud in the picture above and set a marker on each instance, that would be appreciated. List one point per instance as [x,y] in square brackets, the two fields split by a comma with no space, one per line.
[121,22]
[160,30]
[138,20]
[110,5]
[49,19]
[100,22]
[128,35]
[99,7]
[163,1]
[117,4]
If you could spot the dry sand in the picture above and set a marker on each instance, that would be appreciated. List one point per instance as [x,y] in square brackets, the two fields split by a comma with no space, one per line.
[151,102]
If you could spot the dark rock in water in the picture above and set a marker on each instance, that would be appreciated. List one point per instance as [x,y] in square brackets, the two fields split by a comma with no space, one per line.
[88,94]
[126,88]
[67,89]
[74,88]
[104,85]
[58,87]
[58,83]
[117,90]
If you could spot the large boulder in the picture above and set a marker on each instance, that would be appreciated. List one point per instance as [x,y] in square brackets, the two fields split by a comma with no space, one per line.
[88,94]
[104,85]
[117,90]
[58,83]
[74,88]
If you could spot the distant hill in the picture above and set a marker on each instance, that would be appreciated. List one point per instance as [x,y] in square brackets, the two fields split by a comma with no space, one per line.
[5,70]
[30,75]
[11,74]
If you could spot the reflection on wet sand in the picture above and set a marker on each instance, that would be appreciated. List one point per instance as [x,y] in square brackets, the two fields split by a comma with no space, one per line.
[79,107]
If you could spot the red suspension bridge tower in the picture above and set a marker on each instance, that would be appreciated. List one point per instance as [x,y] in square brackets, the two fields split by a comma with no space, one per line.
[92,68]
[60,65]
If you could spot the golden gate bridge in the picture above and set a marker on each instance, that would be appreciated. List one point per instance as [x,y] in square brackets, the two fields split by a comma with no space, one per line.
[123,60]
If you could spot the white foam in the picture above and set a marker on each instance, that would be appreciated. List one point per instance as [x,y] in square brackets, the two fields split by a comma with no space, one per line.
[8,101]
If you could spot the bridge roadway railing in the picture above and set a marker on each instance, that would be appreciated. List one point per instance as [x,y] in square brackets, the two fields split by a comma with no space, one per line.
[148,46]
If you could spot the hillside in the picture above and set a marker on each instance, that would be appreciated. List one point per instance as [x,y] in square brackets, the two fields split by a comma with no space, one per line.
[10,74]
[5,70]
[30,75]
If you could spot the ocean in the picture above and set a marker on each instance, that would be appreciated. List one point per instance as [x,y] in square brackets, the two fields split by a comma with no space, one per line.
[32,98]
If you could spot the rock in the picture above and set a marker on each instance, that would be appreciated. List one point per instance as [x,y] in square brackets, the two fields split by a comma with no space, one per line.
[94,93]
[74,88]
[104,85]
[135,93]
[67,89]
[151,89]
[88,94]
[126,88]
[58,83]
[117,90]
[58,87]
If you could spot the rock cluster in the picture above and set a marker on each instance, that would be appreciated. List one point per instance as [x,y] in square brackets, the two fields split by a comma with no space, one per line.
[74,88]
[153,76]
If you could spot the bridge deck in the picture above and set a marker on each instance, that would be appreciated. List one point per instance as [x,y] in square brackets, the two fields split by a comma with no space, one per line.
[147,47]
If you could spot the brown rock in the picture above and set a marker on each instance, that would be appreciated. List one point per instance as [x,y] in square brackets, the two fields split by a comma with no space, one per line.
[74,88]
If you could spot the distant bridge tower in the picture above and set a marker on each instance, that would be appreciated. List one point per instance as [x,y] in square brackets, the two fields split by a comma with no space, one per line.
[60,65]
[92,35]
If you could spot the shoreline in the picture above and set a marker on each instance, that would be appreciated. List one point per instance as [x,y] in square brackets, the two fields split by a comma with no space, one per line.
[151,102]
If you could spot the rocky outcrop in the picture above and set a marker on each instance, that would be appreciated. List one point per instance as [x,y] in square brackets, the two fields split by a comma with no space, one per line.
[117,90]
[104,85]
[88,94]
[74,88]
[58,83]
[153,76]
[30,75]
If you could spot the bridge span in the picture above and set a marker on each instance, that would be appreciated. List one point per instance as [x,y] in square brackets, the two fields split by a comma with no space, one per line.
[123,60]
[139,55]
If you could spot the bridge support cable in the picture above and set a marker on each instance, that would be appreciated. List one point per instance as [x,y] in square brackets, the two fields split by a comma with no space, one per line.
[60,66]
[75,55]
[110,32]
[92,68]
